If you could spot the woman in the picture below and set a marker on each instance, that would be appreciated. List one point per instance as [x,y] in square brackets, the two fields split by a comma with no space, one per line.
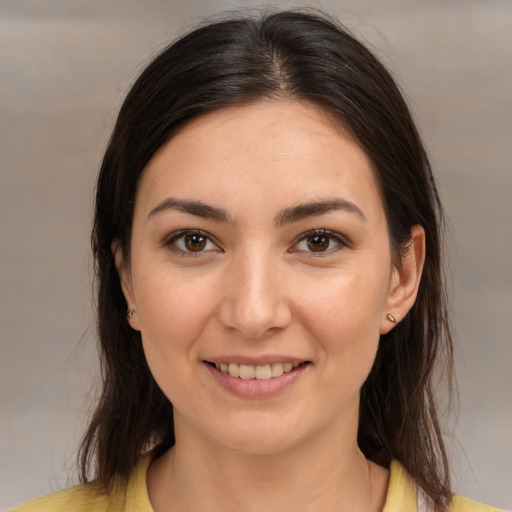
[270,296]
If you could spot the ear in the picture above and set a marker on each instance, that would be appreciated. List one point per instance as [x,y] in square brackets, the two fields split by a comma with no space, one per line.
[125,278]
[405,281]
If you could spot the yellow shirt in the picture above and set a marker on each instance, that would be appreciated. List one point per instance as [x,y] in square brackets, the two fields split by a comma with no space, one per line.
[402,497]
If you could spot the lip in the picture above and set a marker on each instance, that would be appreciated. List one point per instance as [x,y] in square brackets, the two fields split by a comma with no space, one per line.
[254,388]
[255,361]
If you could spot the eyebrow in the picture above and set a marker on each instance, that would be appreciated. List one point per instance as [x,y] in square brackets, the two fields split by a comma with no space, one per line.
[193,207]
[286,216]
[302,211]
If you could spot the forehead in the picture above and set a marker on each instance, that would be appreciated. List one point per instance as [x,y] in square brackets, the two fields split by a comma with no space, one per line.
[274,152]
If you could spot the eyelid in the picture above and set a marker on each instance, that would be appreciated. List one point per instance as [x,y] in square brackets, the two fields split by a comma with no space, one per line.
[340,239]
[169,242]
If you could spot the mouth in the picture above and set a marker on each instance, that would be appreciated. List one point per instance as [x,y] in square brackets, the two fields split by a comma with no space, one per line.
[257,372]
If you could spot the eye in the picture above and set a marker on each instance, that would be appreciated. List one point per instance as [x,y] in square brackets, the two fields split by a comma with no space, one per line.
[187,242]
[319,241]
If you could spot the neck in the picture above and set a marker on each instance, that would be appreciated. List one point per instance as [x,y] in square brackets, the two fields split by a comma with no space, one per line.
[327,473]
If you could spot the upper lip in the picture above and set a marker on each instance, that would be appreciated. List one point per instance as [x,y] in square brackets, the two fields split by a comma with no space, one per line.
[255,361]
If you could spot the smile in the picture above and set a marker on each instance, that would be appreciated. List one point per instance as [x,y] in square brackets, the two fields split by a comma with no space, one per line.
[256,381]
[260,372]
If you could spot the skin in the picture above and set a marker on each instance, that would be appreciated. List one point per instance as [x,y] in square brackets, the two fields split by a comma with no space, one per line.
[257,290]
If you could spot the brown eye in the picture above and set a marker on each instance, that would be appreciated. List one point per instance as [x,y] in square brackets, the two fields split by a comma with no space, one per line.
[195,242]
[318,243]
[321,242]
[191,242]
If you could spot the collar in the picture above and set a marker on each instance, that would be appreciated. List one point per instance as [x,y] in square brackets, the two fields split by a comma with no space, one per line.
[402,494]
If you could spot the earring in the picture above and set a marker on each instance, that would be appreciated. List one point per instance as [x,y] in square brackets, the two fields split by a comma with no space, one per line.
[130,314]
[391,318]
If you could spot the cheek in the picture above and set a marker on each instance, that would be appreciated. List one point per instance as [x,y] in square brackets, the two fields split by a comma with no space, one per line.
[172,312]
[344,313]
[348,301]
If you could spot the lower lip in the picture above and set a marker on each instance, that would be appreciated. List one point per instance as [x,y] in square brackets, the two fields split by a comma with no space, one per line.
[255,388]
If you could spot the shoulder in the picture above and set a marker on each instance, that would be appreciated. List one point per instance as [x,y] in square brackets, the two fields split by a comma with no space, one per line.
[404,495]
[462,504]
[90,497]
[82,498]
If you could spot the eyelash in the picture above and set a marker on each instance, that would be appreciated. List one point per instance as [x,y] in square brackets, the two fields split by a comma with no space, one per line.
[172,240]
[333,236]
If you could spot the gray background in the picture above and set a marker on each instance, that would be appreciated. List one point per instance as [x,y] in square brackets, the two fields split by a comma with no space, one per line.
[64,68]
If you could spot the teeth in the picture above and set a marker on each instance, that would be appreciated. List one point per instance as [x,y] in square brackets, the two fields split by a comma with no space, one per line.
[247,371]
[234,369]
[276,369]
[261,372]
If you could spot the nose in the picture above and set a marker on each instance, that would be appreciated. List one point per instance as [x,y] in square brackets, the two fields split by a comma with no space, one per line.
[254,302]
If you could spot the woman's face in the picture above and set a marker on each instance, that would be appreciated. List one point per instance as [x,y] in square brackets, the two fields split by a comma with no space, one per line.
[259,241]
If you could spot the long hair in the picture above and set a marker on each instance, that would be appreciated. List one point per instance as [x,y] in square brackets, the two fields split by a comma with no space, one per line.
[302,56]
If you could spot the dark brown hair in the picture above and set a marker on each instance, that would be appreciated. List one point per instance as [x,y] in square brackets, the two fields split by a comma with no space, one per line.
[296,55]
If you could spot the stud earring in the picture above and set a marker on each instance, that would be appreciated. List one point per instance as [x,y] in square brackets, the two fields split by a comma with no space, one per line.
[391,318]
[130,314]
